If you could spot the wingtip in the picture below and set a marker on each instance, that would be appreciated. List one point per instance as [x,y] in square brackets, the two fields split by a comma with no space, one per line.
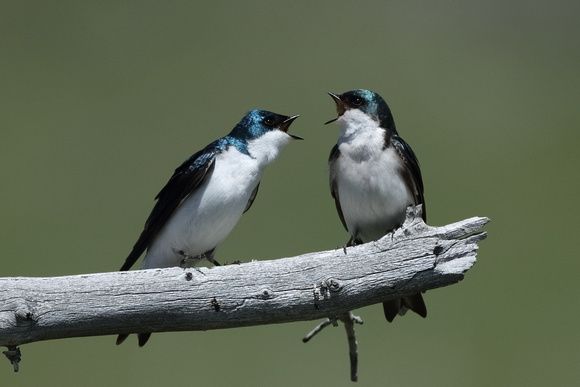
[121,338]
[143,338]
[400,306]
[391,309]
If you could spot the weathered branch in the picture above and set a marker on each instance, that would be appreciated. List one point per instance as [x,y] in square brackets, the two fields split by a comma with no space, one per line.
[312,286]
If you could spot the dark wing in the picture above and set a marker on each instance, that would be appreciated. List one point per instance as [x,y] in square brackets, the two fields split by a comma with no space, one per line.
[252,197]
[413,179]
[332,160]
[412,172]
[184,181]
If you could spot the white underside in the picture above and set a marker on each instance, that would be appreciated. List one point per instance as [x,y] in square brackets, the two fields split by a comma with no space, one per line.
[206,217]
[373,196]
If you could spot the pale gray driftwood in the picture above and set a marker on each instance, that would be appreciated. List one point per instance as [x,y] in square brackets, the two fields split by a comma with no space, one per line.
[312,286]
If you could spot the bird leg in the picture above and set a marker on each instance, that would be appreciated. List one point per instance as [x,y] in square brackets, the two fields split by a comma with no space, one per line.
[208,255]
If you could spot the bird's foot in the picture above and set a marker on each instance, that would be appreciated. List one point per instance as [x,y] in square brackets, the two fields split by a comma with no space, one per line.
[187,257]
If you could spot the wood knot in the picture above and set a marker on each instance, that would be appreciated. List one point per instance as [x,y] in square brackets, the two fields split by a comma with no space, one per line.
[325,288]
[24,316]
[265,295]
[215,304]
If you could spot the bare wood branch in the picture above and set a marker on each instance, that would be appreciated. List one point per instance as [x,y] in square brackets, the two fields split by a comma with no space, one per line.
[325,284]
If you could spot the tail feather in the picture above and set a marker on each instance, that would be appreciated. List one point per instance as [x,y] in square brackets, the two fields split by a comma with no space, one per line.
[143,337]
[121,338]
[400,306]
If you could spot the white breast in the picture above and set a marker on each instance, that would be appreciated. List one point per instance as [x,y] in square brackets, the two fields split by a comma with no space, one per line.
[373,196]
[206,217]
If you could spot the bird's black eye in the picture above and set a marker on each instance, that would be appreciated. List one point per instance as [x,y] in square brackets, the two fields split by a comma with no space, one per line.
[269,121]
[357,101]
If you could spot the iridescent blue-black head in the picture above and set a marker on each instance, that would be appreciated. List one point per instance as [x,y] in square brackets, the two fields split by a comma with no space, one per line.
[370,103]
[258,122]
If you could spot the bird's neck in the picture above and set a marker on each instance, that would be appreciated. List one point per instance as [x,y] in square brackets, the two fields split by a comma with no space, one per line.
[361,137]
[266,148]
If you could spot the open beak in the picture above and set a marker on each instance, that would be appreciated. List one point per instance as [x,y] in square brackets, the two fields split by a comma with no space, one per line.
[286,124]
[340,107]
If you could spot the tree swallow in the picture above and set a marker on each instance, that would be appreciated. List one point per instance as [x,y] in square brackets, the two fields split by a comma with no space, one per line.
[207,195]
[374,177]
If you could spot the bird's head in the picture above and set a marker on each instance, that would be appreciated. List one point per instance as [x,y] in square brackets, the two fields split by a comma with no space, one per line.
[366,102]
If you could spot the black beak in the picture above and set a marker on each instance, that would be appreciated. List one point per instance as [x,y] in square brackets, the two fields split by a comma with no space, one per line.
[286,124]
[340,107]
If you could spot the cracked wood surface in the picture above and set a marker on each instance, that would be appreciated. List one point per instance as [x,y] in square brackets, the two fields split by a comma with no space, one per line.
[413,258]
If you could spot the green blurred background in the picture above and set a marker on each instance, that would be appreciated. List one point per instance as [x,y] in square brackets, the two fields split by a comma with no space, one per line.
[100,101]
